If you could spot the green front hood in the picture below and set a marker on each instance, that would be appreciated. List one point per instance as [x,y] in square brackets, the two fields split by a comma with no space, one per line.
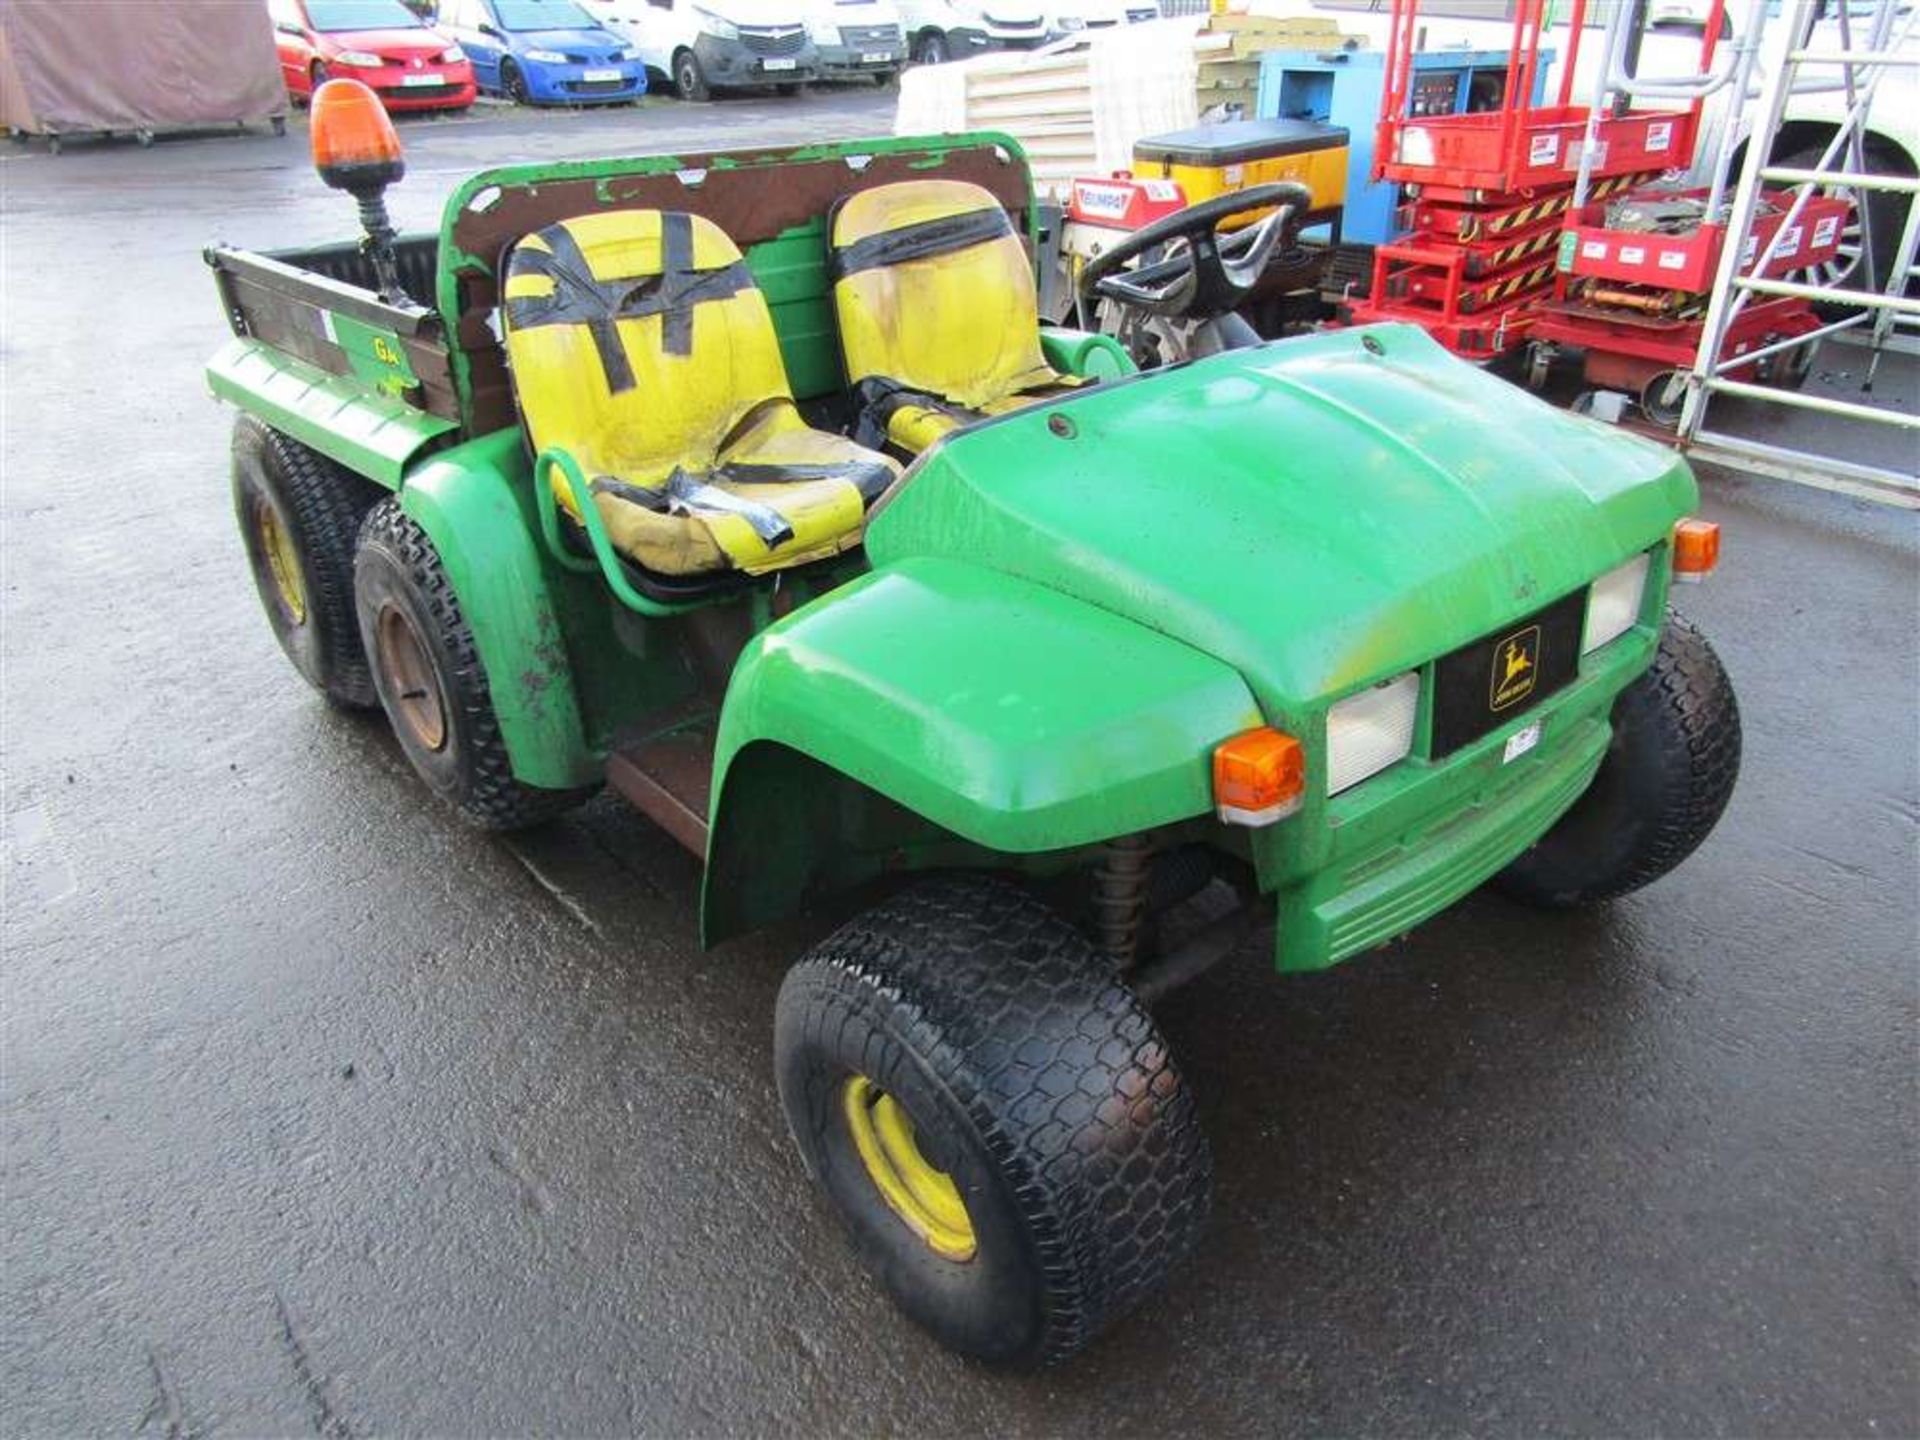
[1318,513]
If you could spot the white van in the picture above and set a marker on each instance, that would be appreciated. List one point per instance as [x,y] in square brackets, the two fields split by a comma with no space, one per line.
[716,44]
[857,39]
[1072,16]
[953,29]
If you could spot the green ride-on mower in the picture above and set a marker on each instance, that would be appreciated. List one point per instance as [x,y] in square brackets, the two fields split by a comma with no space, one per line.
[749,485]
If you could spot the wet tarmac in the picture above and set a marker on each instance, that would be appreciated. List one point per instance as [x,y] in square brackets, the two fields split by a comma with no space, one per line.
[321,1113]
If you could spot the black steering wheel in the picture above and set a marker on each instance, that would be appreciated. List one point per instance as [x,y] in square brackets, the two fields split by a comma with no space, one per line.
[1213,273]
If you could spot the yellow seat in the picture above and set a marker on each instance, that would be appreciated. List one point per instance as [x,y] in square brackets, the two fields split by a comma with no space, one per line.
[640,344]
[939,323]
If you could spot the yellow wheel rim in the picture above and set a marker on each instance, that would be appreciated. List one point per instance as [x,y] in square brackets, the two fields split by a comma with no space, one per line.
[924,1198]
[283,562]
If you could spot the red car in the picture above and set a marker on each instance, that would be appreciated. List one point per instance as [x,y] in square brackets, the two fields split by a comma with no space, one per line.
[409,64]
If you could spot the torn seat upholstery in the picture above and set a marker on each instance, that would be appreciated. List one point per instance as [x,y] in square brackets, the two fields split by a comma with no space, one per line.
[939,323]
[640,344]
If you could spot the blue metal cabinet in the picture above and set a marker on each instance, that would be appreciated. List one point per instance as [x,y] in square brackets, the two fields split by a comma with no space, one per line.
[1344,87]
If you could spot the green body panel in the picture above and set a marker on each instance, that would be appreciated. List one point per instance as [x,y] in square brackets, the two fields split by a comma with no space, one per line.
[371,433]
[565,677]
[792,273]
[1356,510]
[1008,715]
[1421,835]
[1317,516]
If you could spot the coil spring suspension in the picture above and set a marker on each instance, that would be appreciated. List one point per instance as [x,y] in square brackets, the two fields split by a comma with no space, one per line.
[1120,897]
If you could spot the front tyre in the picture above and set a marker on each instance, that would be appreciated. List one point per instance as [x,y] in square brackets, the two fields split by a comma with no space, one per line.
[431,683]
[689,80]
[995,1117]
[1660,790]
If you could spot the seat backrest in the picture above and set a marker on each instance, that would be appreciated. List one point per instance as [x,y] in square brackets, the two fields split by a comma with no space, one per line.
[933,290]
[637,340]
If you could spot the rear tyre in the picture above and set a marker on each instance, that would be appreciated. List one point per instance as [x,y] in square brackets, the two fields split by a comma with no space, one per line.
[1660,790]
[934,49]
[431,683]
[689,80]
[299,516]
[995,1117]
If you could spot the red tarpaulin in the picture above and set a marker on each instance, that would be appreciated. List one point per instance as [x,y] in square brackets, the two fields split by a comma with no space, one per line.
[139,65]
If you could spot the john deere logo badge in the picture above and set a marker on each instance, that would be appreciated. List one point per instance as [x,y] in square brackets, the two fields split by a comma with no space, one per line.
[1516,664]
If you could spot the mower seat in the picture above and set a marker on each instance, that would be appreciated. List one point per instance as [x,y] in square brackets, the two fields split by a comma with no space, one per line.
[640,344]
[939,324]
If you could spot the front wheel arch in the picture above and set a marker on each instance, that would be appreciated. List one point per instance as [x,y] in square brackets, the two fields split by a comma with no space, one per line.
[789,829]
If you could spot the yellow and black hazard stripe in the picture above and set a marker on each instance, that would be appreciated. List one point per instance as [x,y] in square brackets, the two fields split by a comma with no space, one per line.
[1512,253]
[1532,278]
[1493,222]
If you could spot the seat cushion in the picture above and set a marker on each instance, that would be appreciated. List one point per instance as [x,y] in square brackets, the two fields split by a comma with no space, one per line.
[935,298]
[779,493]
[640,344]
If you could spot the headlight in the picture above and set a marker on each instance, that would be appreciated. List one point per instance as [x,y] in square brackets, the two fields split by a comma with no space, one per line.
[1613,604]
[1370,731]
[452,55]
[359,57]
[546,57]
[716,26]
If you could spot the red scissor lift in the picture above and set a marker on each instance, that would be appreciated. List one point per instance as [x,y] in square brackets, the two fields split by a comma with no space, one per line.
[1490,190]
[1633,299]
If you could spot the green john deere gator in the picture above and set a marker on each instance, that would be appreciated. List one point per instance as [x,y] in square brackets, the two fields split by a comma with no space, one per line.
[751,486]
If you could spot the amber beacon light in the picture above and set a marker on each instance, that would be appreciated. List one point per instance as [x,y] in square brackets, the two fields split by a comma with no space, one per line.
[356,149]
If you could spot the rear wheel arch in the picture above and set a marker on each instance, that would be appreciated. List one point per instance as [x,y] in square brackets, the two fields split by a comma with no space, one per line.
[495,568]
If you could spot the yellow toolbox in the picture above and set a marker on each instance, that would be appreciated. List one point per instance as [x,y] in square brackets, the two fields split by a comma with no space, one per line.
[1211,160]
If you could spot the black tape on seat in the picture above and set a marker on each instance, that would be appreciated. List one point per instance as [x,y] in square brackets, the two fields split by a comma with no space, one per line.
[686,493]
[579,299]
[880,398]
[869,477]
[923,241]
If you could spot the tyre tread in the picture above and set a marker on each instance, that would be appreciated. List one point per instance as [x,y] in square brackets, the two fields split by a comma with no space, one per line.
[1032,1034]
[493,798]
[330,502]
[1686,706]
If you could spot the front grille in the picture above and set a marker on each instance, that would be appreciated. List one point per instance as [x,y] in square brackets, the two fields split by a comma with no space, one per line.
[862,35]
[998,24]
[773,40]
[1149,13]
[422,92]
[595,87]
[613,59]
